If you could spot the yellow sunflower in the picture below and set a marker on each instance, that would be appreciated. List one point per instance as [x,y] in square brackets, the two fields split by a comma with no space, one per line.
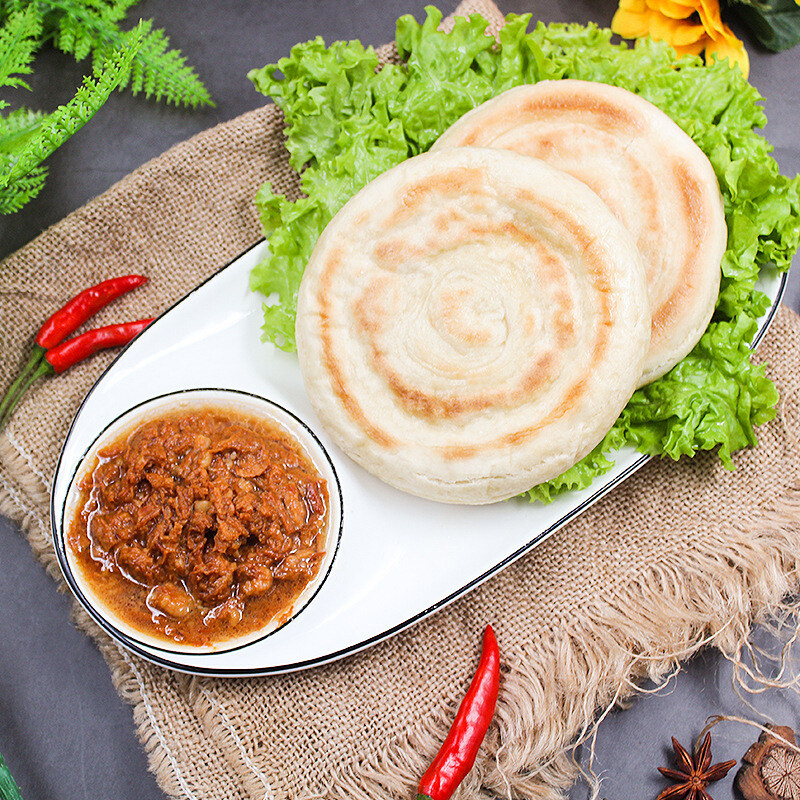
[690,26]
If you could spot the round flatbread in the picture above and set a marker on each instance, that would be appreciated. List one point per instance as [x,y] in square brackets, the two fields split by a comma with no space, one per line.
[471,323]
[650,173]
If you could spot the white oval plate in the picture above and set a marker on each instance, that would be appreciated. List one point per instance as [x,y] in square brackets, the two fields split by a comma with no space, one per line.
[400,557]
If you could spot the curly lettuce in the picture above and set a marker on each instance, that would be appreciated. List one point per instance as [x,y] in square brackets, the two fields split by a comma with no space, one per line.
[349,118]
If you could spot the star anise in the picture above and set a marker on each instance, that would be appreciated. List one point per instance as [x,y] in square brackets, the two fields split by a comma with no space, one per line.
[693,774]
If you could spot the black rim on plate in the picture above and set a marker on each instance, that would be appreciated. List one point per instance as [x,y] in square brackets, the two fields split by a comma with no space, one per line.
[154,657]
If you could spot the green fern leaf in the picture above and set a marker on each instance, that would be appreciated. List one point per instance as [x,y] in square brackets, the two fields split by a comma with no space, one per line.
[19,40]
[162,74]
[66,120]
[14,196]
[18,128]
[139,58]
[79,26]
[84,27]
[9,7]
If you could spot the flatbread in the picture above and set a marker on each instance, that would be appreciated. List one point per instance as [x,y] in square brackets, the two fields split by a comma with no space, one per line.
[471,323]
[646,169]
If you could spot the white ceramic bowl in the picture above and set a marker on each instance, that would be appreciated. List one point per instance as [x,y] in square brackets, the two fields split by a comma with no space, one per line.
[222,399]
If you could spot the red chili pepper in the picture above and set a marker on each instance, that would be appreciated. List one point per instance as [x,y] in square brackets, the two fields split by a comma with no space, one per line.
[68,353]
[55,329]
[58,326]
[457,755]
[82,307]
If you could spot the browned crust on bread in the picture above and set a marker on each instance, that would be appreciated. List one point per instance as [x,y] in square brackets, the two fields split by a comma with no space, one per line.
[698,217]
[614,117]
[478,330]
[390,253]
[659,184]
[332,366]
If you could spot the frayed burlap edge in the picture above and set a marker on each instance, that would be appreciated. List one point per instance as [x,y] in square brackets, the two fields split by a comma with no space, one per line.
[736,581]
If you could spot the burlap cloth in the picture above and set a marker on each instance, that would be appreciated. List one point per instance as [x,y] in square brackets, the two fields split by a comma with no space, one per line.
[681,554]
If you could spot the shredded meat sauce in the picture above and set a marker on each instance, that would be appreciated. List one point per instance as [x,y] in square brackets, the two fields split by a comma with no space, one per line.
[201,527]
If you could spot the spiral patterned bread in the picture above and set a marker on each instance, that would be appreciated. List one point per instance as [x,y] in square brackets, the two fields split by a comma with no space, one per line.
[471,323]
[647,170]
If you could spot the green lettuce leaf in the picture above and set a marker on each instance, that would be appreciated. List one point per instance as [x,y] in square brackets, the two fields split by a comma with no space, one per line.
[671,417]
[349,118]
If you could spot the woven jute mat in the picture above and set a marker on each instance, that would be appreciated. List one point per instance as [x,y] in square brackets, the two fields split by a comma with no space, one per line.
[681,554]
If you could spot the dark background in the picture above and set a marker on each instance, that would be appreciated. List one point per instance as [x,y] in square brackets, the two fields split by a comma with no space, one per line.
[63,730]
